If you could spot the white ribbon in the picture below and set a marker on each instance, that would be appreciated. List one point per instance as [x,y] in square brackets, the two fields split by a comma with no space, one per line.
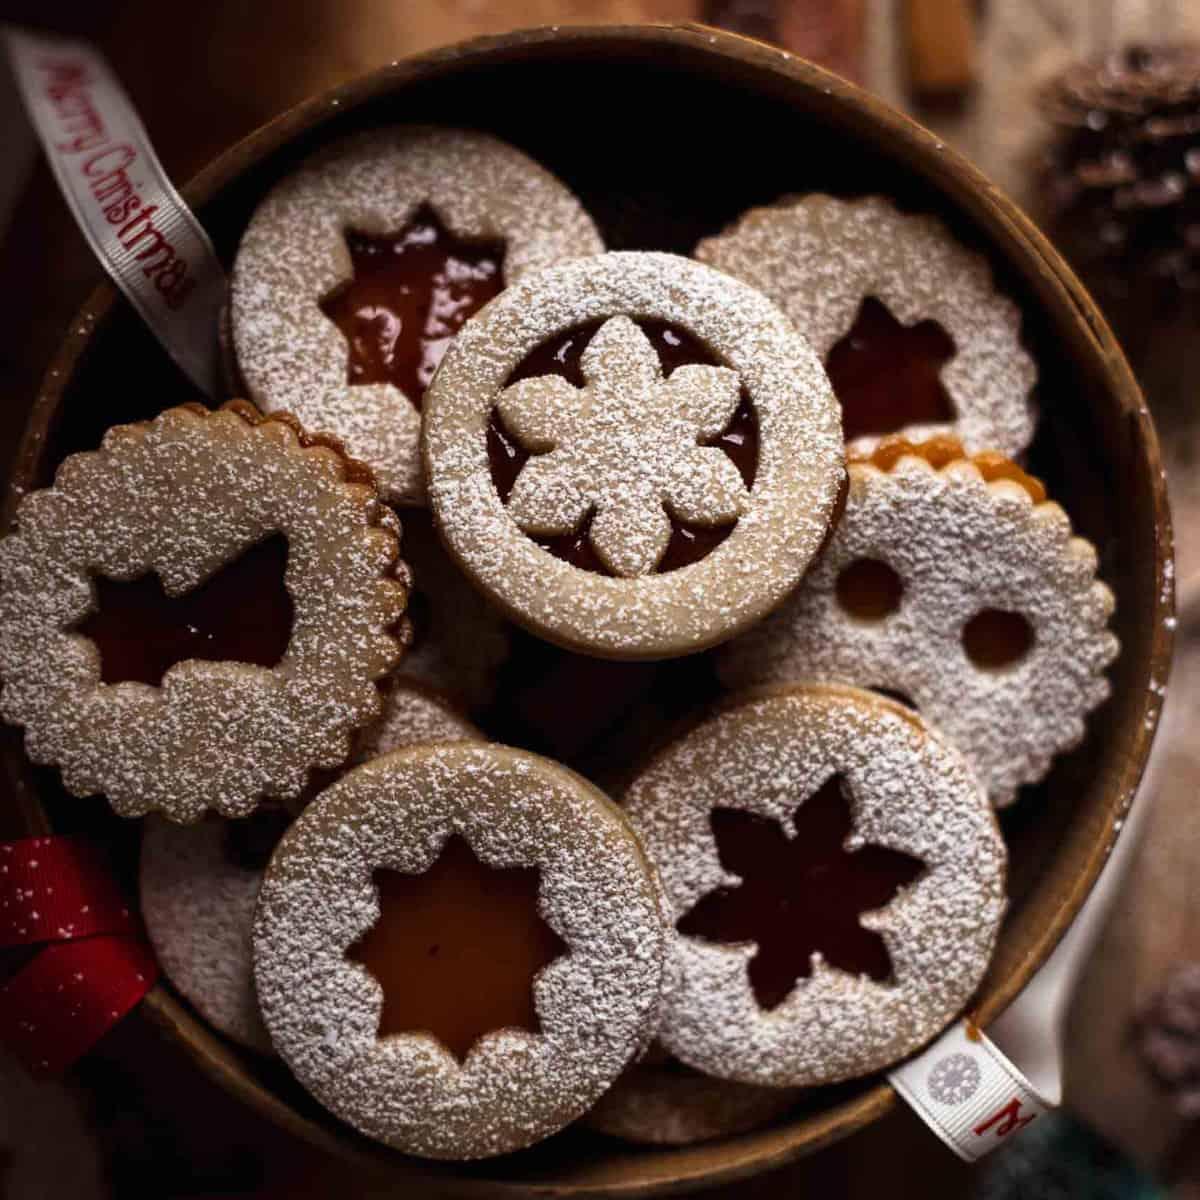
[141,230]
[968,1092]
[963,1086]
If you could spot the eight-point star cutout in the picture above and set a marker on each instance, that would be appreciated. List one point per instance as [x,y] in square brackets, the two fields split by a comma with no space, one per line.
[624,448]
[801,893]
[456,949]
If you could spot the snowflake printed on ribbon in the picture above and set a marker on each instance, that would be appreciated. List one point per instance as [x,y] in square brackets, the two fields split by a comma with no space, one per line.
[954,1079]
[627,448]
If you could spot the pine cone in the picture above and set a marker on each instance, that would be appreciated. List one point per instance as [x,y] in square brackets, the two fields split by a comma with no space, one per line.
[1167,1038]
[1122,177]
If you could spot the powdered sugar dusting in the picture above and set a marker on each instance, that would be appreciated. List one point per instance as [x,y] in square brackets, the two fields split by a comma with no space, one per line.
[597,1004]
[198,902]
[626,445]
[413,714]
[666,1104]
[781,526]
[959,545]
[909,790]
[819,257]
[198,905]
[293,254]
[463,641]
[183,495]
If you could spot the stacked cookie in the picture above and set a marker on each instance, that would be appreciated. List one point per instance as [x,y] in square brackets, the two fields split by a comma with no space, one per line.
[735,552]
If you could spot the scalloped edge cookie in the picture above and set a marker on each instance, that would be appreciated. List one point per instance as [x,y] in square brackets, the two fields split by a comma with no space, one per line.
[182,495]
[964,535]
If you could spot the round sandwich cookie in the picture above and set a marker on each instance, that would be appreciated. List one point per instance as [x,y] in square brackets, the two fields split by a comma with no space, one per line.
[413,713]
[660,1102]
[199,884]
[195,615]
[954,582]
[632,455]
[458,948]
[836,878]
[908,322]
[358,268]
[460,641]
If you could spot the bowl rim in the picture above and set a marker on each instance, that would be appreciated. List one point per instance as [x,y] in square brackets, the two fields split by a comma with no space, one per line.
[971,192]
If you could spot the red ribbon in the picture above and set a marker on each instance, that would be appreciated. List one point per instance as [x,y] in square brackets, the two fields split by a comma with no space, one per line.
[60,890]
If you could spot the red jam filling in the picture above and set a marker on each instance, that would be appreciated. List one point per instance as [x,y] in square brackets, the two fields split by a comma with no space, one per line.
[887,375]
[562,356]
[410,294]
[994,638]
[242,613]
[456,949]
[800,895]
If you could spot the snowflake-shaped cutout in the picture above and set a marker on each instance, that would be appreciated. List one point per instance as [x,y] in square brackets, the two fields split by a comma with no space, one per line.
[627,448]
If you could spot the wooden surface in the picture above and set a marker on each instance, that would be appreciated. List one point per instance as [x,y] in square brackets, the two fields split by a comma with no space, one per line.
[216,89]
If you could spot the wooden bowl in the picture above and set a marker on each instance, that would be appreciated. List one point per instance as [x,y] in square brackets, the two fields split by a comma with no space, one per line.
[668,133]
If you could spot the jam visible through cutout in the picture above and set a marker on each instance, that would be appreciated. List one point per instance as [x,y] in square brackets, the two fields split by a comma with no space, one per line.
[456,949]
[994,638]
[869,589]
[410,294]
[942,449]
[887,375]
[562,355]
[800,895]
[242,613]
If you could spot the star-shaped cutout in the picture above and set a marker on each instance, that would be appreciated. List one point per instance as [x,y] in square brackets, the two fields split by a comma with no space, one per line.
[457,948]
[410,294]
[626,448]
[887,376]
[141,632]
[802,893]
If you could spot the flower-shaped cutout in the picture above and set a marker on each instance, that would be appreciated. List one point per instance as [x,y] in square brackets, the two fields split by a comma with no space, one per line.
[624,448]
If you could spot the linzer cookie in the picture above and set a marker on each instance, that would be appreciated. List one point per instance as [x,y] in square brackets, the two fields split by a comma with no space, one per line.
[199,884]
[357,270]
[457,949]
[413,713]
[460,641]
[633,455]
[664,1103]
[908,322]
[837,878]
[195,615]
[953,581]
